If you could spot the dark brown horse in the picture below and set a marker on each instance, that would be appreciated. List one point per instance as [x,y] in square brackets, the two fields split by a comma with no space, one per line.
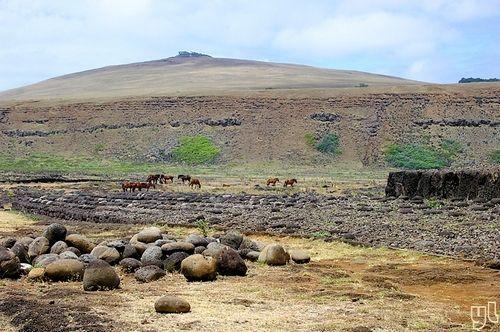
[145,185]
[184,178]
[164,178]
[132,186]
[153,178]
[272,181]
[195,183]
[289,182]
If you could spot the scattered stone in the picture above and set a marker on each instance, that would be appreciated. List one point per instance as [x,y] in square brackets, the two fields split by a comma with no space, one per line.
[10,266]
[44,260]
[299,256]
[107,254]
[55,232]
[65,269]
[199,268]
[68,255]
[230,263]
[36,274]
[273,254]
[248,243]
[99,275]
[213,249]
[171,305]
[170,248]
[196,240]
[21,251]
[232,239]
[149,235]
[38,247]
[80,242]
[86,259]
[129,251]
[199,249]
[58,247]
[149,273]
[173,262]
[130,265]
[152,256]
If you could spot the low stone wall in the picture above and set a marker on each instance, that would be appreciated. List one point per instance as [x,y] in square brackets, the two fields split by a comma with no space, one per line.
[464,184]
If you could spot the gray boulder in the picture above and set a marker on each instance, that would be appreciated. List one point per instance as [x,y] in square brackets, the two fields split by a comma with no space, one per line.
[65,269]
[149,235]
[80,242]
[68,255]
[230,263]
[21,251]
[107,254]
[149,273]
[99,275]
[130,265]
[170,248]
[232,239]
[173,262]
[38,247]
[299,256]
[44,260]
[196,240]
[152,256]
[58,247]
[55,232]
[10,266]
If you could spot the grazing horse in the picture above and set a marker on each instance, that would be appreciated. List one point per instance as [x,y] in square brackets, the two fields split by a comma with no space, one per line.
[164,178]
[145,185]
[137,185]
[272,181]
[184,178]
[195,183]
[153,178]
[128,185]
[289,182]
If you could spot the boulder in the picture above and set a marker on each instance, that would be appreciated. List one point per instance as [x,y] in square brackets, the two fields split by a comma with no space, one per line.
[117,244]
[196,240]
[26,240]
[249,244]
[86,259]
[44,260]
[107,254]
[80,242]
[171,305]
[99,275]
[58,247]
[36,274]
[10,266]
[173,262]
[170,248]
[130,265]
[273,254]
[230,263]
[199,249]
[152,256]
[129,252]
[149,273]
[7,242]
[199,268]
[149,235]
[38,247]
[65,269]
[68,255]
[139,246]
[213,249]
[299,256]
[252,256]
[74,250]
[55,232]
[21,251]
[232,239]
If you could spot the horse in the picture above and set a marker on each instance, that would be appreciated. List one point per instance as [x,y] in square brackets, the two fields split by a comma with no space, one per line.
[195,183]
[164,178]
[128,185]
[184,178]
[272,181]
[289,182]
[145,185]
[153,178]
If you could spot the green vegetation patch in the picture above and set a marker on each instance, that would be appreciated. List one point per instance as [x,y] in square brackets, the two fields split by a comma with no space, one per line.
[329,143]
[422,156]
[195,150]
[495,157]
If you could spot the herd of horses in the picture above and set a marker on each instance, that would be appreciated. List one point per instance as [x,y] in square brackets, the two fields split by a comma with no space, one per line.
[154,179]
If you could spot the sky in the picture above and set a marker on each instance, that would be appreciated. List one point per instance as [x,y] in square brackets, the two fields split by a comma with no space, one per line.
[429,40]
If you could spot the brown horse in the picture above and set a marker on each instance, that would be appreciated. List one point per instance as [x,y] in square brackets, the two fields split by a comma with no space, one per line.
[164,178]
[184,178]
[272,181]
[137,185]
[153,178]
[145,185]
[128,185]
[289,182]
[195,183]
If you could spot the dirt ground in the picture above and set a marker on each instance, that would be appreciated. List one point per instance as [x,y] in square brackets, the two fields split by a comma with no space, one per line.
[344,288]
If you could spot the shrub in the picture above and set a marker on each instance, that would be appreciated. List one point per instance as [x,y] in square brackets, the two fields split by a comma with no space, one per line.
[451,148]
[310,139]
[195,150]
[203,226]
[495,157]
[330,143]
[415,156]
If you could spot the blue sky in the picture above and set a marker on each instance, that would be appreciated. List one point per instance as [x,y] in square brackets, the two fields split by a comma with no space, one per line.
[430,40]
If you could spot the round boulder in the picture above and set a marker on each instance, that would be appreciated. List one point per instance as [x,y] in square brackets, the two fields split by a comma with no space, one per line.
[149,235]
[58,247]
[99,275]
[7,242]
[196,240]
[68,255]
[170,248]
[10,266]
[36,274]
[38,247]
[171,305]
[173,262]
[273,254]
[152,256]
[65,269]
[130,265]
[55,232]
[21,251]
[149,273]
[230,263]
[45,259]
[232,239]
[107,254]
[299,256]
[199,268]
[80,242]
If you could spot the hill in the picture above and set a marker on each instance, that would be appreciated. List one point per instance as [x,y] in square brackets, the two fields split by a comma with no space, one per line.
[193,75]
[253,112]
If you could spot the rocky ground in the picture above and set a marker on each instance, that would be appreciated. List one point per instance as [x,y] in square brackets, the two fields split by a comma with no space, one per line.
[468,229]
